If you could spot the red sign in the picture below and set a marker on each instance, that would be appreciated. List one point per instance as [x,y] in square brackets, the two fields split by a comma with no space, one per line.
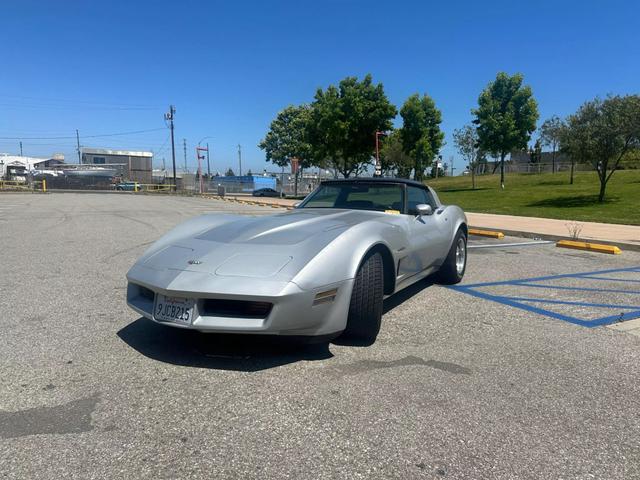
[294,165]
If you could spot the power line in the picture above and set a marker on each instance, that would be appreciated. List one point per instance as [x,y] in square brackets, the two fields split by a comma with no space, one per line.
[74,107]
[124,133]
[72,137]
[72,103]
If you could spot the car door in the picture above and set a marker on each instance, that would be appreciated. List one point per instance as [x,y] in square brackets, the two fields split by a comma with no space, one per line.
[428,235]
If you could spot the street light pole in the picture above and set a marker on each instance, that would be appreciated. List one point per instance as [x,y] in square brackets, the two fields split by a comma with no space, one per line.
[208,162]
[200,157]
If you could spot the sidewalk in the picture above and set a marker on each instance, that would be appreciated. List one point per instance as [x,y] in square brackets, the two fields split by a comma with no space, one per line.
[547,228]
[625,236]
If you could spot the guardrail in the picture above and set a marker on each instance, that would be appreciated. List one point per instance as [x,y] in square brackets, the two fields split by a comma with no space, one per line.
[17,185]
[153,187]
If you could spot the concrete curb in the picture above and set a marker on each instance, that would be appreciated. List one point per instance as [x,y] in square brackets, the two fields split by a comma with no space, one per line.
[485,233]
[635,247]
[592,247]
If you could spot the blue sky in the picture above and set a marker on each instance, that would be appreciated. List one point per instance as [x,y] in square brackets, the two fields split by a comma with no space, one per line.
[229,67]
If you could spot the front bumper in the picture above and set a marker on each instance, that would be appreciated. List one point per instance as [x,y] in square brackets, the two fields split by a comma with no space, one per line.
[294,312]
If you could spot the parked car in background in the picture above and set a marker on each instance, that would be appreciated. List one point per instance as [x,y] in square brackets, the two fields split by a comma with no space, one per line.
[265,192]
[128,186]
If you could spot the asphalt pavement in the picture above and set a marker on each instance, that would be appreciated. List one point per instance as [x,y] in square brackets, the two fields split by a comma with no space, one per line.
[514,374]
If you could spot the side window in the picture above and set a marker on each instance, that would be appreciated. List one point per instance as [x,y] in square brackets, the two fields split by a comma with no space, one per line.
[416,196]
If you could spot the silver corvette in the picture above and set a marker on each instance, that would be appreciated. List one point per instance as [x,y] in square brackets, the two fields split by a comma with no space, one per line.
[320,270]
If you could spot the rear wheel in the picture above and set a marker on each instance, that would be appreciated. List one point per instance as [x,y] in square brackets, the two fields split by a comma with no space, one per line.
[365,309]
[454,266]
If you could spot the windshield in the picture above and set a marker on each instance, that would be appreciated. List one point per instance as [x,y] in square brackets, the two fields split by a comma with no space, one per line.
[357,196]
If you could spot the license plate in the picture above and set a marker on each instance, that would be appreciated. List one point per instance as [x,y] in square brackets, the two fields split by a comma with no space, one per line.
[173,309]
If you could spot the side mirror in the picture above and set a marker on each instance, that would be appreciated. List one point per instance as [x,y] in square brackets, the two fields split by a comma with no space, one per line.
[424,209]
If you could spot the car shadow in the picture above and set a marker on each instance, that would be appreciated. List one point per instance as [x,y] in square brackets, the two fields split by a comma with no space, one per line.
[464,189]
[245,353]
[403,295]
[576,201]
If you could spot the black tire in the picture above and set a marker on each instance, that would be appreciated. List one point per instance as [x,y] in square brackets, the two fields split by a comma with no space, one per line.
[449,273]
[365,309]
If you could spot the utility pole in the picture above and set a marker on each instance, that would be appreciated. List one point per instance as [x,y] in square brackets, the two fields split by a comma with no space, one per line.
[169,116]
[78,143]
[184,147]
[208,163]
[378,171]
[21,149]
[282,183]
[240,158]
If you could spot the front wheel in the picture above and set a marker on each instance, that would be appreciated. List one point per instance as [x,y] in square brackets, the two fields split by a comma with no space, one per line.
[454,266]
[365,309]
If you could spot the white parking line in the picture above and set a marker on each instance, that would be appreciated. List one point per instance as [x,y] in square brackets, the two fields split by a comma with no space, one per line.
[518,244]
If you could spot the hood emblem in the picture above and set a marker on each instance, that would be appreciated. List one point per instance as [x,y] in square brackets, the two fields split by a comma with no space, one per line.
[194,262]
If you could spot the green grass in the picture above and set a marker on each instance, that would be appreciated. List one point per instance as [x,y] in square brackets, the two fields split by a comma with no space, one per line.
[547,195]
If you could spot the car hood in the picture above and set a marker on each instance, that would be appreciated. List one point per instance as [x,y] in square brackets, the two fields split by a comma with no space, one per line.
[269,247]
[285,229]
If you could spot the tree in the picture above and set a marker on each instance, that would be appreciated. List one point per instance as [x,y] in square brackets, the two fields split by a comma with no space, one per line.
[535,152]
[603,133]
[287,139]
[393,156]
[506,116]
[229,173]
[466,141]
[250,173]
[550,132]
[420,132]
[344,121]
[438,172]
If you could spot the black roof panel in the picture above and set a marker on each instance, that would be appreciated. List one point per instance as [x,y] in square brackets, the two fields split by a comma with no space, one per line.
[405,181]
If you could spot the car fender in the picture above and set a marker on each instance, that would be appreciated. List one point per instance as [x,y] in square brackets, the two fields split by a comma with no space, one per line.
[460,220]
[340,259]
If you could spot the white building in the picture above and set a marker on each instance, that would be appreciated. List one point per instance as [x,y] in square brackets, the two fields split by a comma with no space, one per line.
[28,164]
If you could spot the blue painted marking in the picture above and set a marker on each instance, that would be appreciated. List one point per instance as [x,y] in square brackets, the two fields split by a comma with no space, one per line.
[518,302]
[609,279]
[523,306]
[552,277]
[583,289]
[578,304]
[614,319]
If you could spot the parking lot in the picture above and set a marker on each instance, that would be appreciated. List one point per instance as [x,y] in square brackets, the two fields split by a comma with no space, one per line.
[521,371]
